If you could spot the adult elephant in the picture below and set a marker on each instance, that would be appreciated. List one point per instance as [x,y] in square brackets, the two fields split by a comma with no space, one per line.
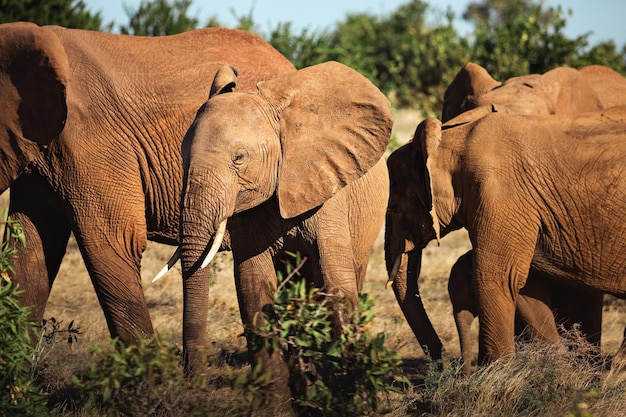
[293,167]
[537,194]
[114,175]
[561,91]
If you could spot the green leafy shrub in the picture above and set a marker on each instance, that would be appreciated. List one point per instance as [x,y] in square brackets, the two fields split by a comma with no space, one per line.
[19,394]
[142,379]
[330,376]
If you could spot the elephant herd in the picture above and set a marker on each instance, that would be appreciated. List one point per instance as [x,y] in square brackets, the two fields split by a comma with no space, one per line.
[211,140]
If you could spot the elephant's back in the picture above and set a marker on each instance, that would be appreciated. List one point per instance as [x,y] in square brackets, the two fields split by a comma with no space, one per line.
[191,57]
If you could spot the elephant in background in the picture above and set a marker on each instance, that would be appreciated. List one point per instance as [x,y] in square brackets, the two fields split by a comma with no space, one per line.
[541,305]
[113,176]
[34,74]
[536,193]
[561,91]
[295,166]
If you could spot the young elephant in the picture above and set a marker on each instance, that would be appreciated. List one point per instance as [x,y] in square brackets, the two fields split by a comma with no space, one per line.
[293,167]
[535,193]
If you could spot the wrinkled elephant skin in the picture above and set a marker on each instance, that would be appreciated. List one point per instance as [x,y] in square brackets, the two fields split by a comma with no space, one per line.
[113,176]
[516,184]
[293,167]
[34,74]
[561,91]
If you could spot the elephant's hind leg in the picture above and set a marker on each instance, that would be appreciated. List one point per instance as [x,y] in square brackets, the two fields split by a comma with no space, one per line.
[47,232]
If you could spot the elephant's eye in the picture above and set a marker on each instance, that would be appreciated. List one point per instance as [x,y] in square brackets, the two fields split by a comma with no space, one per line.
[239,156]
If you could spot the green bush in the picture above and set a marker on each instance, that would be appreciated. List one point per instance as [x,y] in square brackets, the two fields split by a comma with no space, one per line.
[330,376]
[142,379]
[19,394]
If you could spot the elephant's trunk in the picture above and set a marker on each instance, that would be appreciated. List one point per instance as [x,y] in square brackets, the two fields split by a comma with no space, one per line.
[201,214]
[403,267]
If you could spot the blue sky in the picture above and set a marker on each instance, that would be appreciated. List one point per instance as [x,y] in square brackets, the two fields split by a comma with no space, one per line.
[604,18]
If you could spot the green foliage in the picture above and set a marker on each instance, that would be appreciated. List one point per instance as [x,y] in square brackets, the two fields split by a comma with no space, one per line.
[159,18]
[50,334]
[13,237]
[419,59]
[412,57]
[143,379]
[19,394]
[520,37]
[251,388]
[405,57]
[68,13]
[412,54]
[303,49]
[330,376]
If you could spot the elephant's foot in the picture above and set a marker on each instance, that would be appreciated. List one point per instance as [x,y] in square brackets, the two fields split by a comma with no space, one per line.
[194,363]
[277,399]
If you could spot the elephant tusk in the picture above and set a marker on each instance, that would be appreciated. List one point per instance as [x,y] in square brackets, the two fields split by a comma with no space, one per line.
[217,242]
[394,271]
[168,265]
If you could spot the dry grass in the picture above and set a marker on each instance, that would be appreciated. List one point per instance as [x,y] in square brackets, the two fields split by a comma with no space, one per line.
[73,298]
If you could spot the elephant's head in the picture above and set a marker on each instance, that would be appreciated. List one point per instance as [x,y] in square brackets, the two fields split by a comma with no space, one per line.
[299,138]
[559,91]
[411,223]
[34,73]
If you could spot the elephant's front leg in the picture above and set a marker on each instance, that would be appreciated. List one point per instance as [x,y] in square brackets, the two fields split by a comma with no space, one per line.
[117,281]
[497,285]
[464,306]
[255,280]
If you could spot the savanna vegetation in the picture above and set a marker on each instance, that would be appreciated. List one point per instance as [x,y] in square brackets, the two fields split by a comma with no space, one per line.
[69,366]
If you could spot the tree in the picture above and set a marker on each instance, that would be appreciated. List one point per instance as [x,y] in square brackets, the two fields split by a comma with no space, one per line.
[517,37]
[159,18]
[67,13]
[303,49]
[407,57]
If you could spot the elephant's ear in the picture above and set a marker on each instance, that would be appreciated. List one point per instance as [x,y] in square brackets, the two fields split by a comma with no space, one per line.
[471,81]
[426,142]
[34,74]
[334,126]
[225,80]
